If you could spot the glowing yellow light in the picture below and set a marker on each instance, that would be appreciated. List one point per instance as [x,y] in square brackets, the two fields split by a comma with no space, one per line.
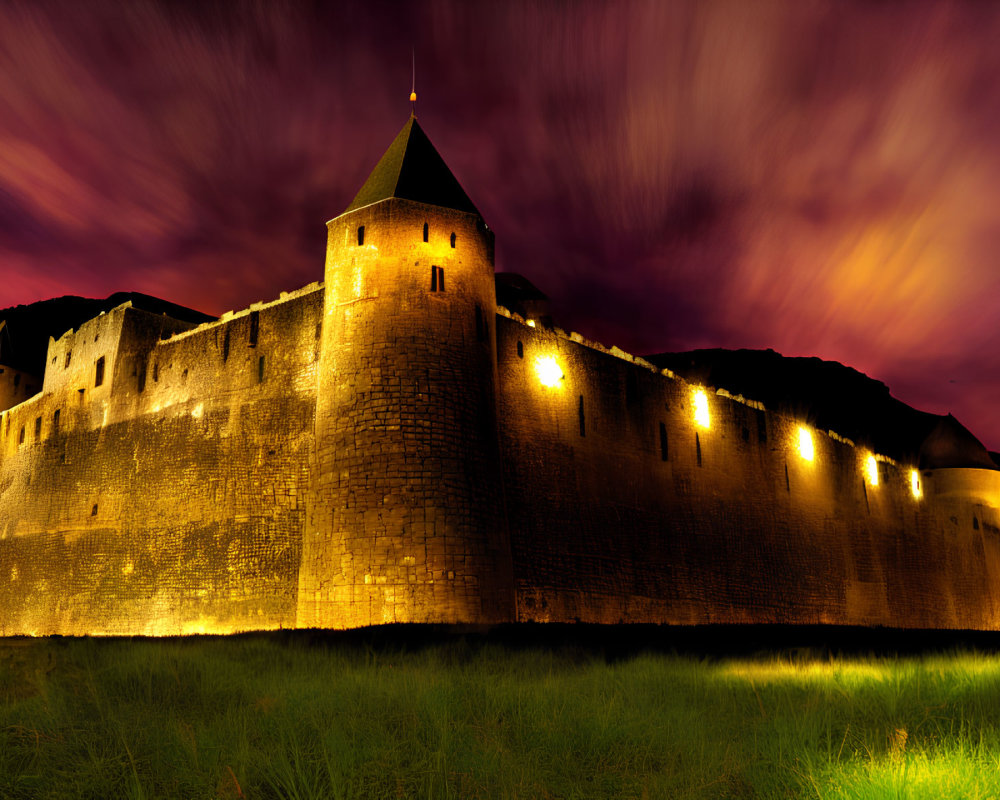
[531,323]
[806,444]
[549,372]
[915,484]
[871,470]
[413,97]
[701,416]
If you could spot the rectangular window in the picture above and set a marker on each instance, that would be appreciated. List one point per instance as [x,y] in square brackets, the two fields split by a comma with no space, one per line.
[38,428]
[361,235]
[664,449]
[260,369]
[437,279]
[20,436]
[583,419]
[254,327]
[55,421]
[69,354]
[225,351]
[99,372]
[142,377]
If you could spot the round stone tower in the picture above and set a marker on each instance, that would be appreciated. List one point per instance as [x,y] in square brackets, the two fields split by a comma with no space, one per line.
[406,518]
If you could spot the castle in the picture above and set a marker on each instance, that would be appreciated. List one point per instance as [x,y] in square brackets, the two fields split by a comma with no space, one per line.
[389,445]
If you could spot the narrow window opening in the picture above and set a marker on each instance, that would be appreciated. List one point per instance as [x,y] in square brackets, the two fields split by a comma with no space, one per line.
[55,421]
[254,327]
[664,450]
[427,232]
[38,428]
[93,511]
[480,324]
[631,388]
[361,235]
[583,419]
[697,448]
[437,279]
[142,377]
[20,436]
[452,241]
[975,523]
[260,369]
[225,351]
[788,486]
[99,372]
[156,373]
[184,375]
[520,350]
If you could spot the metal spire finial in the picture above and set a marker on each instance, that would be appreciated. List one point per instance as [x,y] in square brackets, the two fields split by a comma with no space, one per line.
[413,86]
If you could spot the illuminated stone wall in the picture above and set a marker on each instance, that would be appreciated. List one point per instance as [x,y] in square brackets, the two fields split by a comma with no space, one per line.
[382,449]
[169,504]
[643,516]
[406,521]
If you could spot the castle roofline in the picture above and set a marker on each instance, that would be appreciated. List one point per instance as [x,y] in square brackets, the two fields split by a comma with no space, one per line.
[411,169]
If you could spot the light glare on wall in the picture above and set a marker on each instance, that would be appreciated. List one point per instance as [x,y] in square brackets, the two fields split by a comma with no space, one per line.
[915,484]
[701,416]
[871,470]
[549,371]
[806,444]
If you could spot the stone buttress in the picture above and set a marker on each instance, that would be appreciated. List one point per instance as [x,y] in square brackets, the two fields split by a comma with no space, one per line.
[406,518]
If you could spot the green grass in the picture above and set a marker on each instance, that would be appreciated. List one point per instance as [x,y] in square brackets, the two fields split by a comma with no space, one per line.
[271,718]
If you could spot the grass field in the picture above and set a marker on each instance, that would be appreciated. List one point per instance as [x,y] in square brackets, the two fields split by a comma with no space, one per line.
[280,717]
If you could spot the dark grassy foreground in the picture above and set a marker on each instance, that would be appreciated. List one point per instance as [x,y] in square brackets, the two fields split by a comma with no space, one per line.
[308,716]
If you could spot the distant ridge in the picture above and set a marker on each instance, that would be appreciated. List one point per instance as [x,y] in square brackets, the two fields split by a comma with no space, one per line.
[830,396]
[24,341]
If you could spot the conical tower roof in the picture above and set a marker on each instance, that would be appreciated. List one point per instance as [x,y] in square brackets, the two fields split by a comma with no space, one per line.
[411,169]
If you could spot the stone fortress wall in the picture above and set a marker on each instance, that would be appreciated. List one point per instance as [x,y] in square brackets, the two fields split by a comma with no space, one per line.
[623,509]
[172,497]
[390,446]
[15,386]
[169,498]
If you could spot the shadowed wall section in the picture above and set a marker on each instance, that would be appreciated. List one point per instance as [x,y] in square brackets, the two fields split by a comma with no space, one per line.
[623,509]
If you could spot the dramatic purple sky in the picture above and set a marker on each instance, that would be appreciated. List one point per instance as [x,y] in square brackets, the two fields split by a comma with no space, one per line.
[822,178]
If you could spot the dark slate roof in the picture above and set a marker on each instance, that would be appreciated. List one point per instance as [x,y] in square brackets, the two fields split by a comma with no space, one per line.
[411,169]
